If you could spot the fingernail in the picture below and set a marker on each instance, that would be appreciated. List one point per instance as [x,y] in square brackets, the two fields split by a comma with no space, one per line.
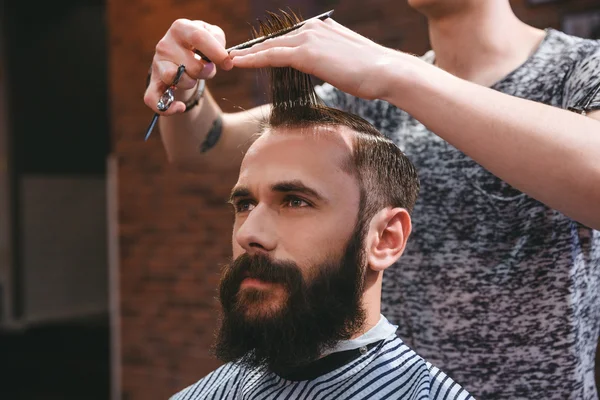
[208,69]
[227,63]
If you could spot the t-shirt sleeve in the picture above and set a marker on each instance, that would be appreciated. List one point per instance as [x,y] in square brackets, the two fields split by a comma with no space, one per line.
[582,86]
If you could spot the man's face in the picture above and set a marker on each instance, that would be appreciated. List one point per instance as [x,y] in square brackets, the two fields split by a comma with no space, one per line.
[294,202]
[295,285]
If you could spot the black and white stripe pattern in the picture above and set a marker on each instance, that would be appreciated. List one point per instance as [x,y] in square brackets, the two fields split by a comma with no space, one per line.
[390,370]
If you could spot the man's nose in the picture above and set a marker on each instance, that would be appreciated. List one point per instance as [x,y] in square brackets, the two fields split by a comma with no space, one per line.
[257,233]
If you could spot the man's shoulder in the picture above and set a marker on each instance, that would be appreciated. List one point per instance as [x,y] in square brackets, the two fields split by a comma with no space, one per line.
[563,51]
[406,365]
[571,43]
[444,387]
[226,375]
[580,57]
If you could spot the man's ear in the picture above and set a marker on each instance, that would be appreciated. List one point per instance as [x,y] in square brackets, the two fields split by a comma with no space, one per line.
[386,239]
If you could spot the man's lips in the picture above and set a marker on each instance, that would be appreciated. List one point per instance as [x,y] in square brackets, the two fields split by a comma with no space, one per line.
[256,283]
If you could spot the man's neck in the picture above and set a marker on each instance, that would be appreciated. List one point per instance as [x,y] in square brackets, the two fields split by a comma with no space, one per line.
[371,302]
[482,44]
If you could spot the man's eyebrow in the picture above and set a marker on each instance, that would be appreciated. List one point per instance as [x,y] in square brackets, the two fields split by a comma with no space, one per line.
[282,187]
[237,192]
[298,187]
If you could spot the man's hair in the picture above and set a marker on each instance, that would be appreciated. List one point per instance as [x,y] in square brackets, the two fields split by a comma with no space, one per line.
[386,176]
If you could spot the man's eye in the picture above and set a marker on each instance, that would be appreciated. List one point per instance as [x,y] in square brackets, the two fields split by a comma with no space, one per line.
[296,202]
[244,206]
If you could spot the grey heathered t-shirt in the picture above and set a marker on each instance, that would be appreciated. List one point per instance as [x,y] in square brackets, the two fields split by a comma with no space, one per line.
[495,288]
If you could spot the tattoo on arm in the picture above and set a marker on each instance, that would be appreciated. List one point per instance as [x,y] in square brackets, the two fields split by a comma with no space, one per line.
[213,135]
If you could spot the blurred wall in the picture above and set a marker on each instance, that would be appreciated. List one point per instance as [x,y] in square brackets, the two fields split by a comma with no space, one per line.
[173,229]
[64,259]
[54,139]
[5,220]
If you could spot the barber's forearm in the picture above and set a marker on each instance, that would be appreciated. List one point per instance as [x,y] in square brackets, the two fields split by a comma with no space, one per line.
[551,154]
[205,137]
[182,133]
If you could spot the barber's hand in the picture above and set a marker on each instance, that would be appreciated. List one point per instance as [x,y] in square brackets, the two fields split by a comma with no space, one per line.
[176,48]
[329,51]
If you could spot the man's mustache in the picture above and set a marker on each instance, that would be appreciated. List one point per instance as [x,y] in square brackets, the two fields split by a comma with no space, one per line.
[263,268]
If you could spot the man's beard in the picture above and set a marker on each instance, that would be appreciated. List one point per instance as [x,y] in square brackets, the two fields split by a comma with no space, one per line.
[312,317]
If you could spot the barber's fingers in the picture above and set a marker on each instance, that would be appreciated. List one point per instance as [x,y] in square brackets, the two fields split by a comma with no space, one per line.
[216,31]
[292,39]
[177,48]
[206,38]
[271,57]
[166,71]
[313,34]
[155,89]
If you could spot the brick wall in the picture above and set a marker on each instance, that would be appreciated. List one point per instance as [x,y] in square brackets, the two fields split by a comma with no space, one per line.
[174,228]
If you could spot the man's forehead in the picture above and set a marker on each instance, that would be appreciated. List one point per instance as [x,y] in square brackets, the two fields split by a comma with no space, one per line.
[310,155]
[314,135]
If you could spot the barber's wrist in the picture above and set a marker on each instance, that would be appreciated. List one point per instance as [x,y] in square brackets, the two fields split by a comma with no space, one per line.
[196,95]
[401,74]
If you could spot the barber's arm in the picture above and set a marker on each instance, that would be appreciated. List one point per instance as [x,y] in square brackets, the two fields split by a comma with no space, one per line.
[204,136]
[549,153]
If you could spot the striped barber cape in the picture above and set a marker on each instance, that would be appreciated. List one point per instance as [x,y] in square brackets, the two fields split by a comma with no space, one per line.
[385,369]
